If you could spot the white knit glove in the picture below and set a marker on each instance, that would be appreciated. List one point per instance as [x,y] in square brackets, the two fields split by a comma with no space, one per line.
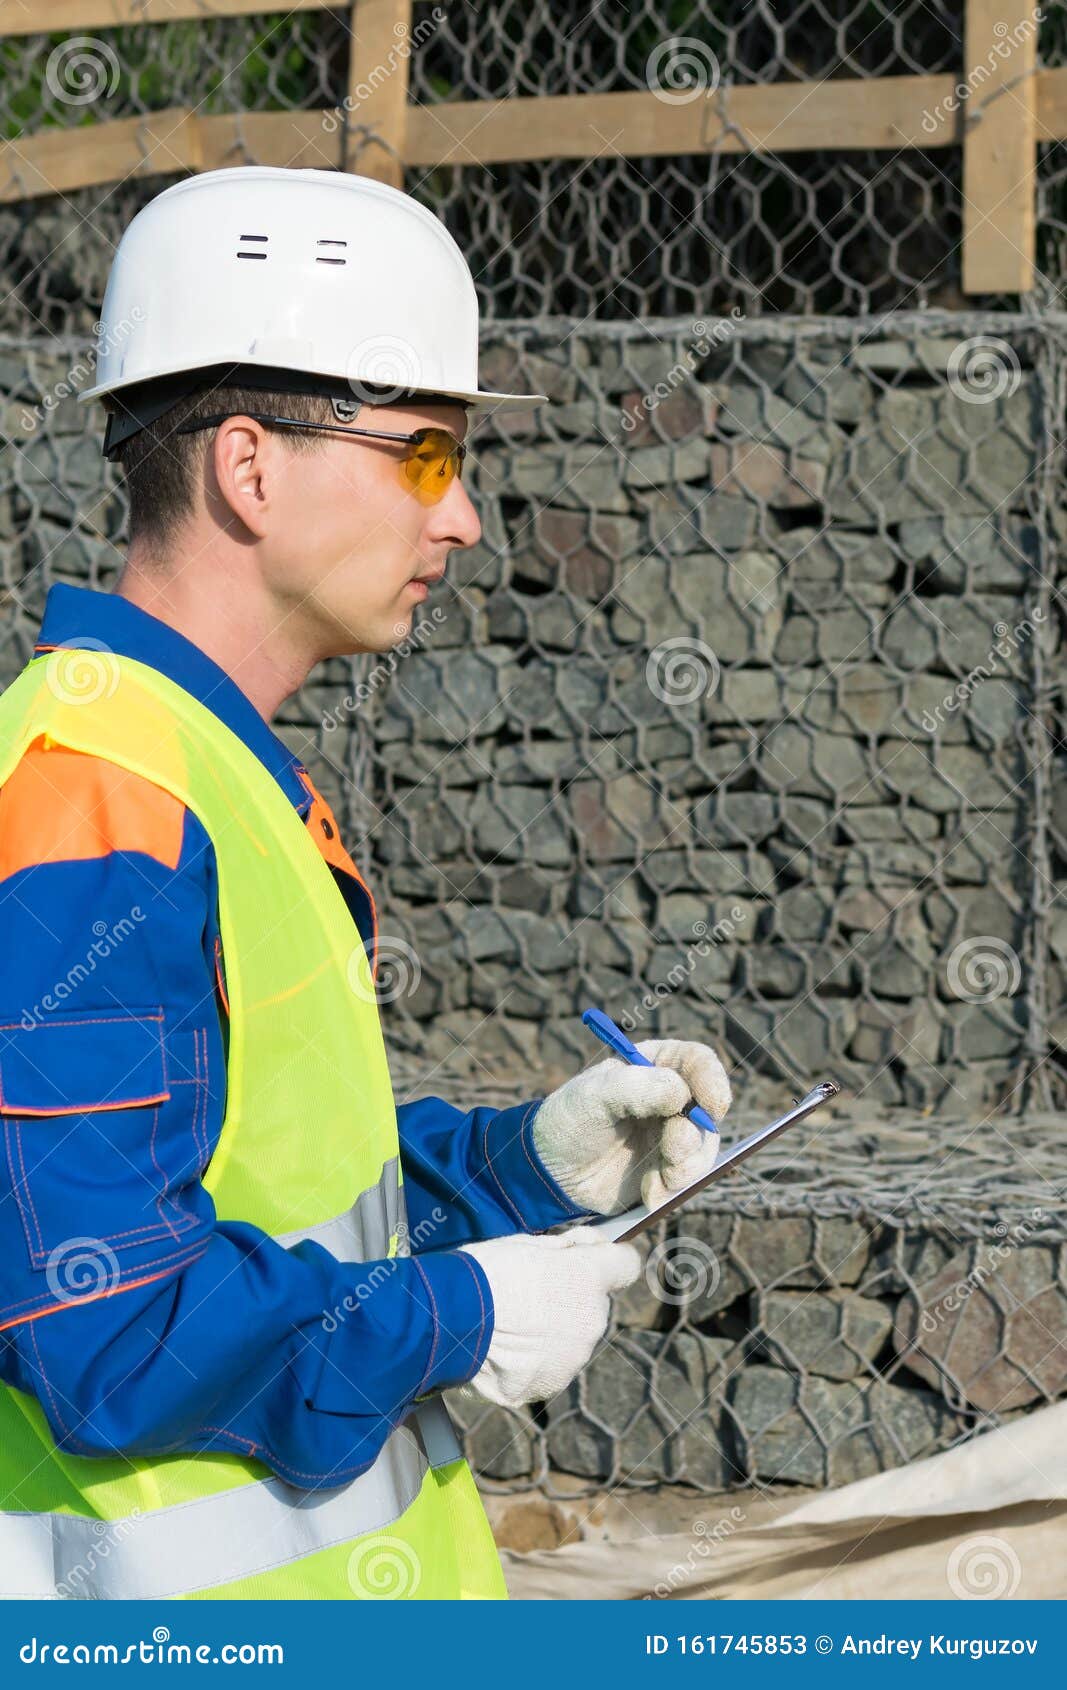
[615,1135]
[550,1307]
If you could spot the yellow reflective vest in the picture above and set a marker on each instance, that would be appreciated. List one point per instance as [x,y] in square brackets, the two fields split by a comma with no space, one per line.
[308,1149]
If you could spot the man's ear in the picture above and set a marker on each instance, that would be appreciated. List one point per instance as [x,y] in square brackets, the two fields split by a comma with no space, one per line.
[241,460]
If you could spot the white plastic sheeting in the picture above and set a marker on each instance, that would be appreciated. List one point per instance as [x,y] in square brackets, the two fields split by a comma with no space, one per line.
[985,1520]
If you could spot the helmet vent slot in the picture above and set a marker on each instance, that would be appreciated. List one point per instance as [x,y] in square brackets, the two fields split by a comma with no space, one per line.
[262,238]
[322,258]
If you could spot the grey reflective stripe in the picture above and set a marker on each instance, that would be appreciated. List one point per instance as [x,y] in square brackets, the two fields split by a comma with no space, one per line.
[439,1437]
[363,1232]
[211,1541]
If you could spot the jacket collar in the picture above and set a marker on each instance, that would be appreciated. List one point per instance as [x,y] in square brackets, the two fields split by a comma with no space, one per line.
[76,616]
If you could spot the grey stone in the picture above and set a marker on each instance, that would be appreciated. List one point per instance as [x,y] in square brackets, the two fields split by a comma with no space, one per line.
[827,390]
[809,763]
[820,1432]
[766,418]
[836,556]
[682,520]
[888,821]
[921,453]
[748,872]
[665,465]
[987,1329]
[837,1334]
[996,552]
[498,1442]
[641,1411]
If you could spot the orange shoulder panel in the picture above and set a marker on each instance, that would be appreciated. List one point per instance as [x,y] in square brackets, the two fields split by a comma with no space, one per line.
[322,825]
[58,806]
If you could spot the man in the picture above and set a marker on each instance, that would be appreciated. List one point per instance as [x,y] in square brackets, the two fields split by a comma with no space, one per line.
[234,1277]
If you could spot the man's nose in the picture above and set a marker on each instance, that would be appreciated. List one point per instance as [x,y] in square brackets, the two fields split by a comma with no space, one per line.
[455,518]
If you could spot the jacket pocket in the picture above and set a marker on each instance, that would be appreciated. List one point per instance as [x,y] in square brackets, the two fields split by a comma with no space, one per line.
[79,1104]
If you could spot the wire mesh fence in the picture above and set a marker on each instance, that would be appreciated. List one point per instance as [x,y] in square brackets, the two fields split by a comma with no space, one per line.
[846,231]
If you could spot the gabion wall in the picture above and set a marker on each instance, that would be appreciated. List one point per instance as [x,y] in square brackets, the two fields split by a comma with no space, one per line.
[856,1300]
[742,722]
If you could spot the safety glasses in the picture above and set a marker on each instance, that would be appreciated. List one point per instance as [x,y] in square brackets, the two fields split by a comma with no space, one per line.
[429,466]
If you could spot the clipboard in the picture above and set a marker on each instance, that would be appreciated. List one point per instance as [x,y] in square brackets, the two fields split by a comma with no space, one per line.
[617,1228]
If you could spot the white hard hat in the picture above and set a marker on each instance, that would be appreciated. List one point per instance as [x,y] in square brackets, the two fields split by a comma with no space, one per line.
[257,273]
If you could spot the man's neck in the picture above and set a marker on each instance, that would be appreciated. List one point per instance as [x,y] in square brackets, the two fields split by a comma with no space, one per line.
[231,627]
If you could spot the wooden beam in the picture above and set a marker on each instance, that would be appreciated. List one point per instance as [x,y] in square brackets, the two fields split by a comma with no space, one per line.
[492,132]
[379,64]
[885,114]
[1052,104]
[38,17]
[999,146]
[62,160]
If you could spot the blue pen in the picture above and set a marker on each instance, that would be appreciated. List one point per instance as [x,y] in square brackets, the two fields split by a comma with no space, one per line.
[605,1029]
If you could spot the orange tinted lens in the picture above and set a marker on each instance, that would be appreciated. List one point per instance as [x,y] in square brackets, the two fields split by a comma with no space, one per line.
[435,459]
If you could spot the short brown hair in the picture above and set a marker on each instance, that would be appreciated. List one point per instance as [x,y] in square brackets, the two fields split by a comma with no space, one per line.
[160,467]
